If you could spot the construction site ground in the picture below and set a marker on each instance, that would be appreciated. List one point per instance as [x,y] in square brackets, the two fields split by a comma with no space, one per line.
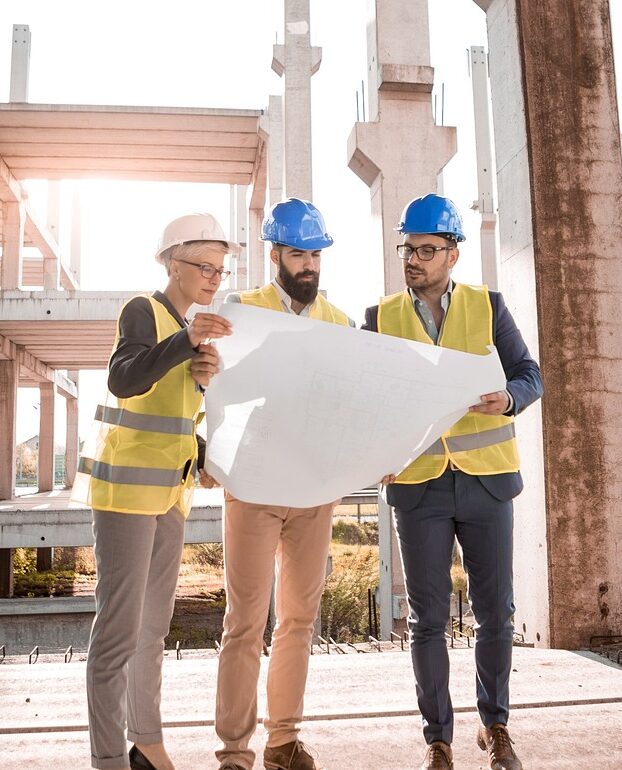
[360,711]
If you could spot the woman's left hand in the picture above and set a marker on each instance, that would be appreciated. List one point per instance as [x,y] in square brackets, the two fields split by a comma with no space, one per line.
[207,481]
[205,364]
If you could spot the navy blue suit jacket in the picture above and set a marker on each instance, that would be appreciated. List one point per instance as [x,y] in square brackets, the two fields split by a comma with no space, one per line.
[524,382]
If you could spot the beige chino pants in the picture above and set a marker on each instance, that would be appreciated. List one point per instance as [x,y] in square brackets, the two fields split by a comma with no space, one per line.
[254,536]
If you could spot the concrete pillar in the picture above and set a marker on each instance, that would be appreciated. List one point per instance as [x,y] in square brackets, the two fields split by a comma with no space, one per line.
[50,265]
[12,245]
[9,375]
[557,139]
[6,573]
[275,158]
[72,438]
[297,60]
[256,250]
[20,63]
[391,592]
[486,203]
[400,153]
[47,391]
[241,236]
[75,258]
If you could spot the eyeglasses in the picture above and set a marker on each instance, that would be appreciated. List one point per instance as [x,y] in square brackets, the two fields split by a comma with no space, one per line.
[425,253]
[207,270]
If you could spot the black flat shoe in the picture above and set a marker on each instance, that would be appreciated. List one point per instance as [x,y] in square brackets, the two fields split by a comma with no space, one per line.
[138,761]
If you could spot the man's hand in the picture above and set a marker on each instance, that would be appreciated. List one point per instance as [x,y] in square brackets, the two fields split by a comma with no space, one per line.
[204,365]
[207,326]
[207,481]
[492,403]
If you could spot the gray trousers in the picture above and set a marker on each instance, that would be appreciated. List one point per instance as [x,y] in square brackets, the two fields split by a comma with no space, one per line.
[457,505]
[138,560]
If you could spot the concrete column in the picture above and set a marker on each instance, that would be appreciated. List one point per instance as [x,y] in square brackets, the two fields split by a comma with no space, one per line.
[256,250]
[401,152]
[47,392]
[297,60]
[12,245]
[50,265]
[241,236]
[9,376]
[392,595]
[557,139]
[72,438]
[20,63]
[486,204]
[75,258]
[275,158]
[6,573]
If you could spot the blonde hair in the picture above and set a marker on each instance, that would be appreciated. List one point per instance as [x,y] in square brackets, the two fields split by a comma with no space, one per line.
[185,251]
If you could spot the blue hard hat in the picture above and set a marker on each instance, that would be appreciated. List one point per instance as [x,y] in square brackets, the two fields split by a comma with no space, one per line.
[296,223]
[432,215]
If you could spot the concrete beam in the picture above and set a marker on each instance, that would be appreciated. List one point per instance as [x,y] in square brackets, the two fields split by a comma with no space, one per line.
[36,368]
[74,527]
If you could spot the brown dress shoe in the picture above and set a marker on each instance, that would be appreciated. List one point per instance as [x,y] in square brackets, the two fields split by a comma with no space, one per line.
[290,756]
[438,757]
[497,742]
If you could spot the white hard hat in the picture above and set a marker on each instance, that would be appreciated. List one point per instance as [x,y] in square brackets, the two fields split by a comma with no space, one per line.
[194,227]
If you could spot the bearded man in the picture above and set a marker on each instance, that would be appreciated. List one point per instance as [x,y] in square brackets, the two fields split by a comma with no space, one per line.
[256,537]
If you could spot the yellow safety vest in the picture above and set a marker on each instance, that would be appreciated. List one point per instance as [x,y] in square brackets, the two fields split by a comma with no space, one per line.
[478,444]
[143,457]
[267,296]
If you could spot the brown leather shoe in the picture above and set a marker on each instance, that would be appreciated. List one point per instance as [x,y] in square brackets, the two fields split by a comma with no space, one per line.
[497,742]
[290,756]
[438,757]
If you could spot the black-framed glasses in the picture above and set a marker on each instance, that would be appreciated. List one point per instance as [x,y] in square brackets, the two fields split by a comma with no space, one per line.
[425,253]
[207,270]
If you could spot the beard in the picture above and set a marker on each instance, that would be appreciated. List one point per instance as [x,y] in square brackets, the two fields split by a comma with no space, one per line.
[301,291]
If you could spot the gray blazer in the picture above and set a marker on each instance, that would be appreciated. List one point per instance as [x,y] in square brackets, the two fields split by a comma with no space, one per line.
[524,382]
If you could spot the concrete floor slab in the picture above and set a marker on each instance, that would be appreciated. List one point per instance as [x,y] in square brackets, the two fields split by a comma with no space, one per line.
[361,712]
[559,738]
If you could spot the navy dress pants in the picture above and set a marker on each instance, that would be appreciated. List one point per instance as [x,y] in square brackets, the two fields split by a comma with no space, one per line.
[457,505]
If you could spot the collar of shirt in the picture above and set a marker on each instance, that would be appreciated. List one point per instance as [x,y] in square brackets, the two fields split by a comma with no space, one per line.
[164,300]
[445,299]
[286,300]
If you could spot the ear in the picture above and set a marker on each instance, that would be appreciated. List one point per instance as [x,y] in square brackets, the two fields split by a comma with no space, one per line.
[274,256]
[453,256]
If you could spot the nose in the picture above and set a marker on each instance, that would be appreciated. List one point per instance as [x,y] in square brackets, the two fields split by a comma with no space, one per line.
[308,262]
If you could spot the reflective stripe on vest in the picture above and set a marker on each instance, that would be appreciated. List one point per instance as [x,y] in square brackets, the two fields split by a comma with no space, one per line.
[478,444]
[268,297]
[146,422]
[123,474]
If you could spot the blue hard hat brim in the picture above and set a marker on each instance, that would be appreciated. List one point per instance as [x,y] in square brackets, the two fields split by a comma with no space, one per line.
[304,244]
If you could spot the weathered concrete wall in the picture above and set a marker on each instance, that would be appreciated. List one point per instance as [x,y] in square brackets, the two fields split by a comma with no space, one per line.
[571,158]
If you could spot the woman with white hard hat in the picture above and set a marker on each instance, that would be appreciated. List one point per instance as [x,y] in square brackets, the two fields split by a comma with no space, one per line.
[138,477]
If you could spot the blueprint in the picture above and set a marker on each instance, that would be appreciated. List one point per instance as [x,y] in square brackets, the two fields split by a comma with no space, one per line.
[304,412]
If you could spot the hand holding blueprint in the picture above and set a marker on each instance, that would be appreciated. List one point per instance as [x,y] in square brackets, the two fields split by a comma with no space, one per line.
[304,412]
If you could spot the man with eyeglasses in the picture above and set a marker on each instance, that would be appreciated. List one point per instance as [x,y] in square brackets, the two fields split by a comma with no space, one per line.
[462,486]
[256,537]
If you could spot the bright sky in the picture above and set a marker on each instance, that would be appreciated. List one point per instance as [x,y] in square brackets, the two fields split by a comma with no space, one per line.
[202,53]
